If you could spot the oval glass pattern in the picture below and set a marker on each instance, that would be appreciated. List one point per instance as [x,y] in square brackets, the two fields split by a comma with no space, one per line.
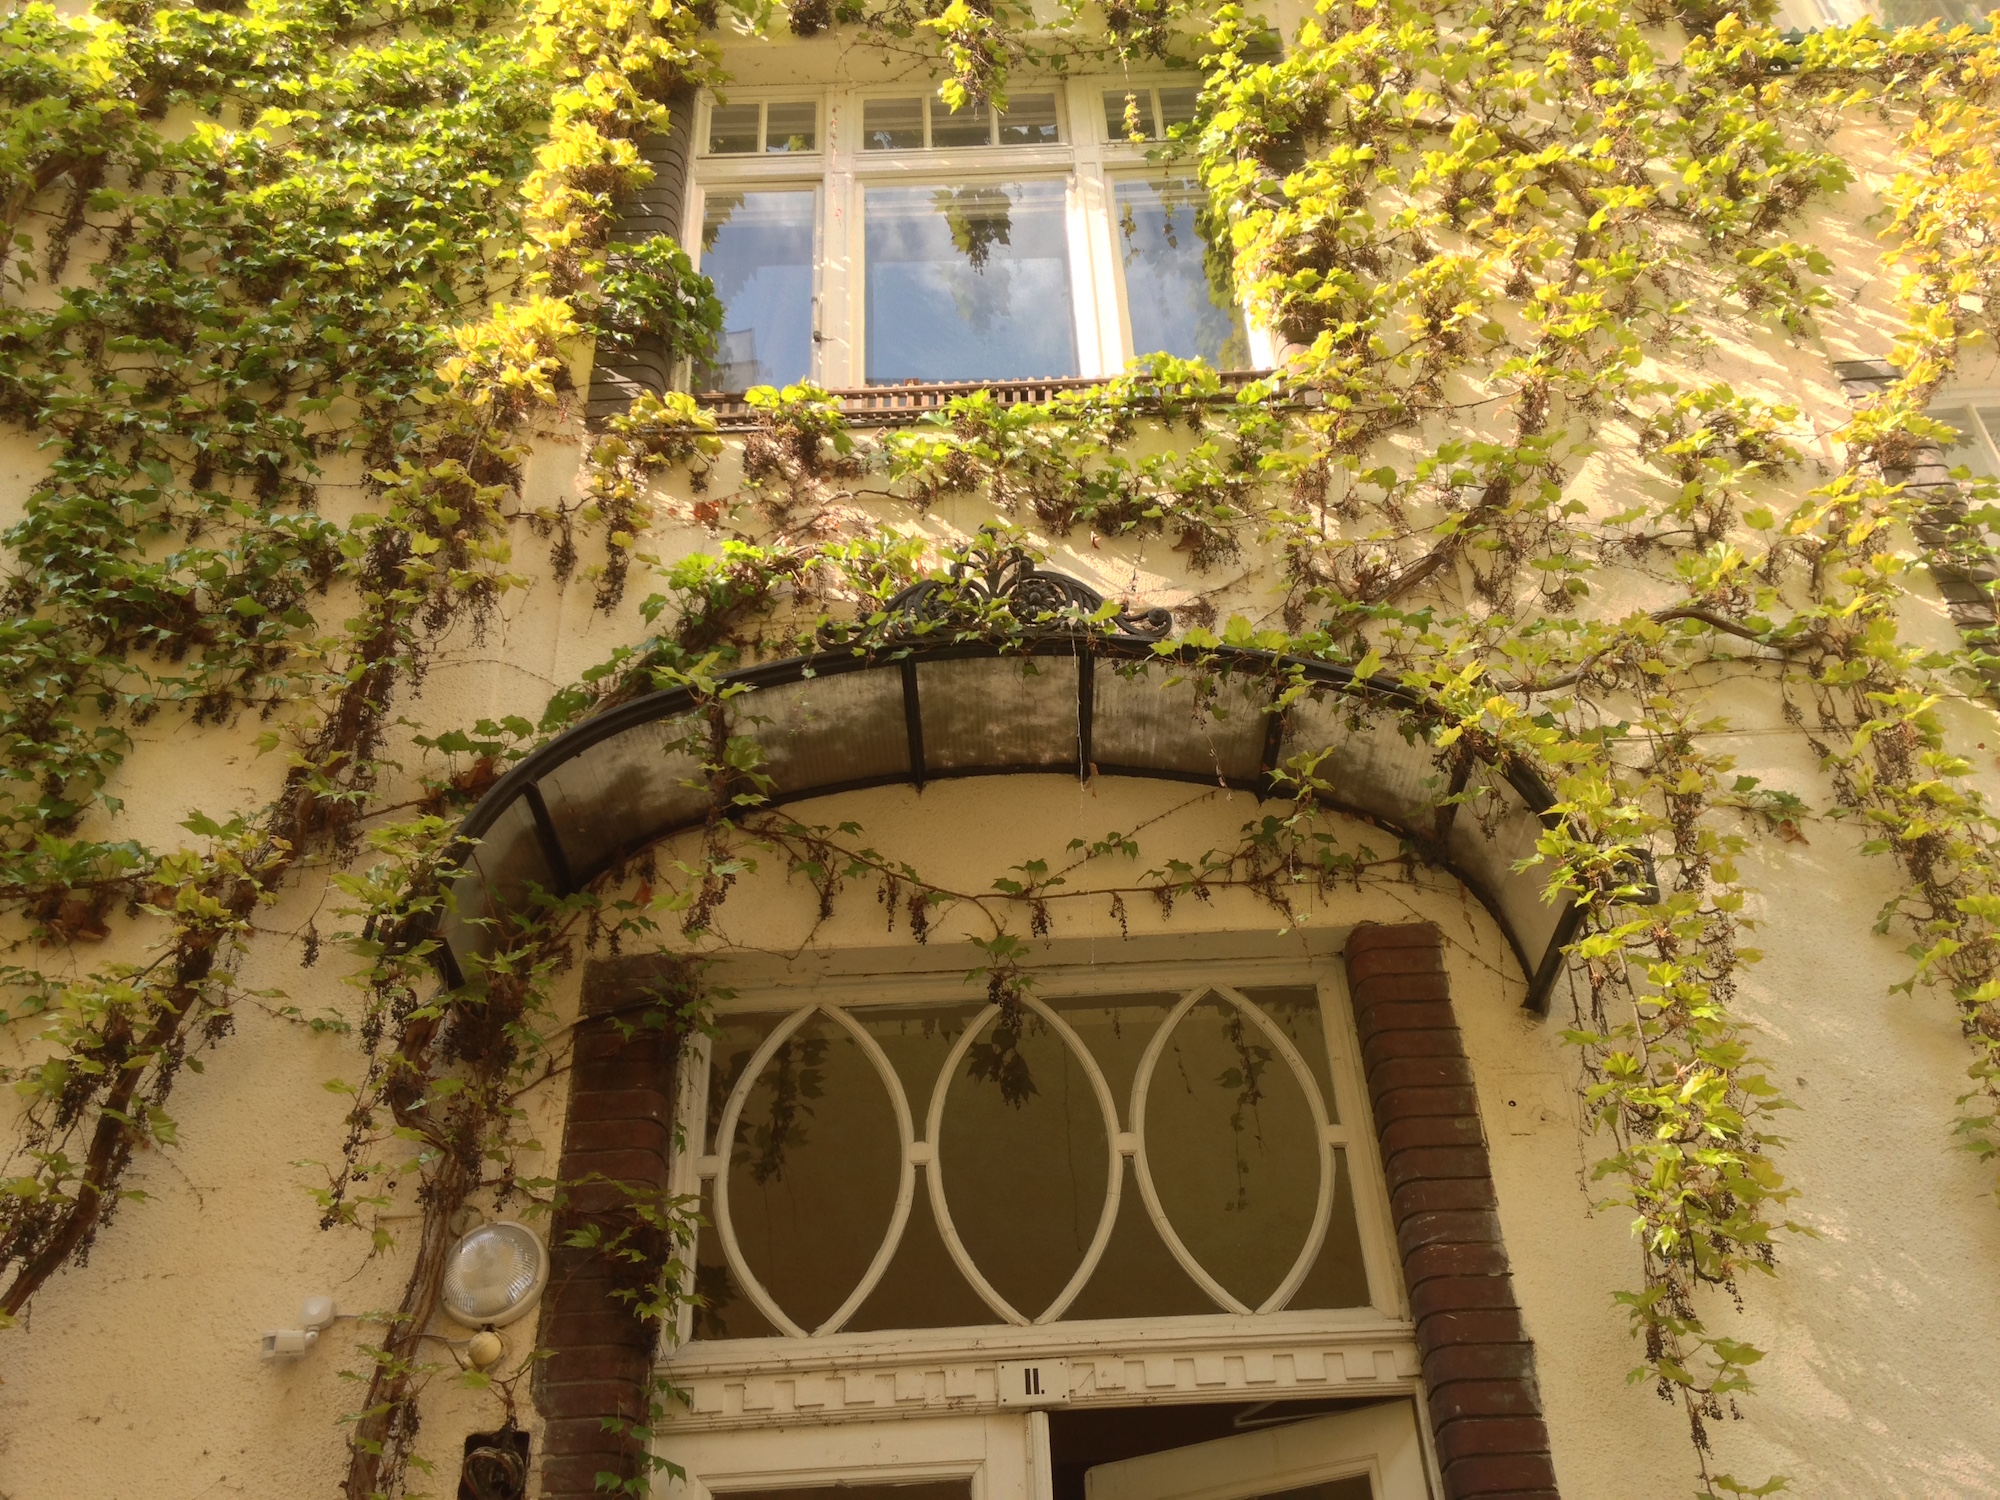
[814,1169]
[1232,1145]
[1024,1157]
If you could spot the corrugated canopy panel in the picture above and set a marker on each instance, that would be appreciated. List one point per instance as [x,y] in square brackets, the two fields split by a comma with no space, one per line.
[501,876]
[1164,716]
[1365,759]
[620,794]
[833,729]
[1491,832]
[985,713]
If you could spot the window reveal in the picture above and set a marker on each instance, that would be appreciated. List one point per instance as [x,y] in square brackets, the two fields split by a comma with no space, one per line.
[952,1165]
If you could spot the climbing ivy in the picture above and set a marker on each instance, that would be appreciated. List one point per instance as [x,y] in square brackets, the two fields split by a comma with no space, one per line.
[291,288]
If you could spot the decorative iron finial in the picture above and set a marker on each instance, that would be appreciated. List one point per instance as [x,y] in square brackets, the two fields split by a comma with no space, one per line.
[1039,600]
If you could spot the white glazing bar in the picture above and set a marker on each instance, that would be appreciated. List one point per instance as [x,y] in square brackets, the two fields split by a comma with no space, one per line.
[725,1136]
[1150,1195]
[906,1182]
[940,1210]
[837,343]
[1041,1459]
[1371,1197]
[1114,1163]
[684,1175]
[1323,1210]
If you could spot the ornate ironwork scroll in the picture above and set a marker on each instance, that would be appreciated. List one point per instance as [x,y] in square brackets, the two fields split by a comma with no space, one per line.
[996,581]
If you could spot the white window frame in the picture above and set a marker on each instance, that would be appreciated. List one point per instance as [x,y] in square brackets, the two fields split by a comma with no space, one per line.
[1085,159]
[1283,1355]
[1985,435]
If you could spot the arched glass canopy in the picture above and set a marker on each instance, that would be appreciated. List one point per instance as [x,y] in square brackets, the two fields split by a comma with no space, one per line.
[1076,689]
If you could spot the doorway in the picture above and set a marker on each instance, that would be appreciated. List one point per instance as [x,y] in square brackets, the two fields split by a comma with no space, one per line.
[1325,1450]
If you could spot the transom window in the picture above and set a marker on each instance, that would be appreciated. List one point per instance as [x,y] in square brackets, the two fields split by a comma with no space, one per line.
[923,122]
[769,125]
[876,237]
[870,1167]
[1148,113]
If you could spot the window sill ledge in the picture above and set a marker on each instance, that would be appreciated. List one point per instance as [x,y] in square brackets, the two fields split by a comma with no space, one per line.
[903,405]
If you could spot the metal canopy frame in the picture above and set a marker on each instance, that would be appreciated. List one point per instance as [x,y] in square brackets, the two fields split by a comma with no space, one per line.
[547,827]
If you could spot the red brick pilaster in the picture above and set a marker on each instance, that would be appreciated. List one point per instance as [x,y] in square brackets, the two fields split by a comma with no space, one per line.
[620,1126]
[1479,1366]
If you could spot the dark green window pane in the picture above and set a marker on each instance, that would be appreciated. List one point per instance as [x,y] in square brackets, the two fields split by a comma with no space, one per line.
[732,129]
[792,127]
[1029,120]
[892,125]
[971,126]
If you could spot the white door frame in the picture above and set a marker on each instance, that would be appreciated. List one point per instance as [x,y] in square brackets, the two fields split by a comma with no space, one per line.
[996,1453]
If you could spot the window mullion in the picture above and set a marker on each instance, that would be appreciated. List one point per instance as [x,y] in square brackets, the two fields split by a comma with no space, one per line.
[1096,277]
[838,311]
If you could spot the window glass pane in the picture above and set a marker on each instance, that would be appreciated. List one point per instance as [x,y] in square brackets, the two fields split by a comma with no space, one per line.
[1233,1149]
[813,1170]
[968,283]
[1295,1011]
[1177,106]
[1173,306]
[792,127]
[723,1312]
[1126,112]
[1029,120]
[1023,1154]
[1339,1276]
[892,124]
[1138,1276]
[1989,418]
[1968,450]
[732,128]
[922,1287]
[758,249]
[971,126]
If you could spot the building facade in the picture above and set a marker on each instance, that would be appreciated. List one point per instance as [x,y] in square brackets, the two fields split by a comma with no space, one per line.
[1012,940]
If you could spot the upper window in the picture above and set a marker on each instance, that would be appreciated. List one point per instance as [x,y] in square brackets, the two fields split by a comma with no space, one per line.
[769,125]
[875,1166]
[914,124]
[1147,114]
[878,238]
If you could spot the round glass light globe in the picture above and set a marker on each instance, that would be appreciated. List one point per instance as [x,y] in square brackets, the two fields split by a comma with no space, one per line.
[494,1274]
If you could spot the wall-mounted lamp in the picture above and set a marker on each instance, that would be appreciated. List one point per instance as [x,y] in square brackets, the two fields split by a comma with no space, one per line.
[495,1274]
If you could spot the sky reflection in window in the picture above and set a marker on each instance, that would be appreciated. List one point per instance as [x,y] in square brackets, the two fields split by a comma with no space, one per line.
[1173,308]
[968,283]
[758,249]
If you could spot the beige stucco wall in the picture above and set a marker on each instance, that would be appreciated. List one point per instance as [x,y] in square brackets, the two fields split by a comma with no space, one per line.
[137,1375]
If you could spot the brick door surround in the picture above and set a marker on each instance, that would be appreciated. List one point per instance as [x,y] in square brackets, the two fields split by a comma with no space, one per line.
[1478,1362]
